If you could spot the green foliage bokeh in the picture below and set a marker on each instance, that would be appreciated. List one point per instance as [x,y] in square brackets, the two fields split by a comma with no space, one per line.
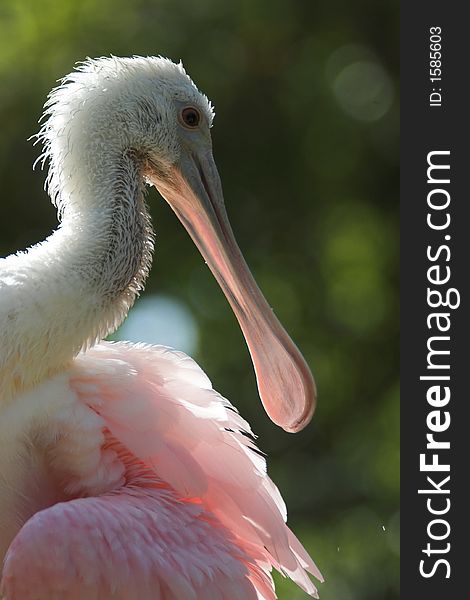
[306,143]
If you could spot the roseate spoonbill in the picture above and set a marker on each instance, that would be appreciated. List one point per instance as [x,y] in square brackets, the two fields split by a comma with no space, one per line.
[123,474]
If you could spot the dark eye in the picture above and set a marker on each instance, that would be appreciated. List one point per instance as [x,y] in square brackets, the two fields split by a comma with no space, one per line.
[190,117]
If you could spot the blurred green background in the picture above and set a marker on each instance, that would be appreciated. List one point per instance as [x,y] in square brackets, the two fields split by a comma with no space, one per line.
[306,140]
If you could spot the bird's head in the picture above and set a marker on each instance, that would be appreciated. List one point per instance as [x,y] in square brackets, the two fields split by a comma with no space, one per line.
[151,106]
[163,116]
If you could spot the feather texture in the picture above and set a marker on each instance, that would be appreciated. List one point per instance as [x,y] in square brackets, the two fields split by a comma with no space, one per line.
[190,512]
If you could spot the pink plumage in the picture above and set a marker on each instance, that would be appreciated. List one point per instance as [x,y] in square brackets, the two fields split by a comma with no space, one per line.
[195,516]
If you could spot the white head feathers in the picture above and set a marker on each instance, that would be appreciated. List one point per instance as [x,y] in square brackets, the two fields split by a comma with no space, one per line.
[114,104]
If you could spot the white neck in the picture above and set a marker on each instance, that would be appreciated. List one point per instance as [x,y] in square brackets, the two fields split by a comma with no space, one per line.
[77,286]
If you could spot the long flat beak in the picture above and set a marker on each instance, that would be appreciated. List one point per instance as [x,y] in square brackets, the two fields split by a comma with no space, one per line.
[285,383]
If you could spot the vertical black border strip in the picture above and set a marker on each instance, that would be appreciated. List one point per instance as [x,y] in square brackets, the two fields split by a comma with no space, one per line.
[424,129]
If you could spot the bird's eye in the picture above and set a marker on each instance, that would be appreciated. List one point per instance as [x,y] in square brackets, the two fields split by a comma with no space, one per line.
[190,117]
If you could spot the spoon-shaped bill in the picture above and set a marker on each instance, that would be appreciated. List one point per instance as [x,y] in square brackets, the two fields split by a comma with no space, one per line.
[285,383]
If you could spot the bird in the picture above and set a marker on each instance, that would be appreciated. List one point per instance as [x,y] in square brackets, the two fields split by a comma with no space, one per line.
[123,473]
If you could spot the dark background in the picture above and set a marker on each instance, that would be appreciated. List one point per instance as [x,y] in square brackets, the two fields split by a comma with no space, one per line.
[306,141]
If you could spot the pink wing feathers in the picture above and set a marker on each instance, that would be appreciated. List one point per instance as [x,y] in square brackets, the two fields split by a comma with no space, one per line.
[138,543]
[202,521]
